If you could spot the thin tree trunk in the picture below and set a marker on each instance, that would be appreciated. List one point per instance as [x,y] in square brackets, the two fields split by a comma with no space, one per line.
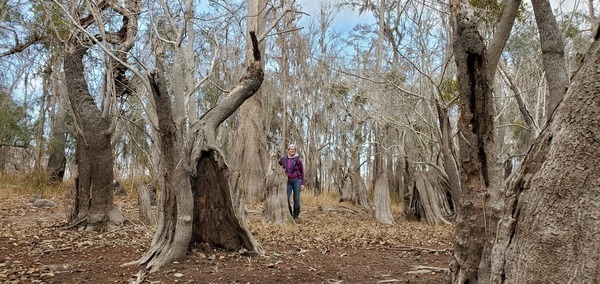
[378,163]
[41,143]
[501,35]
[57,159]
[553,54]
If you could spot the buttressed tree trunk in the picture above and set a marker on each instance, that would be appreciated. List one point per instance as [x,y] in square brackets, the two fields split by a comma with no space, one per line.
[276,204]
[196,202]
[355,190]
[428,198]
[477,154]
[382,202]
[450,167]
[549,230]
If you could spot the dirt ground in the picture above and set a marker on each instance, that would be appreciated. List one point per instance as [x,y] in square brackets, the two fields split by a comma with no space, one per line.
[324,247]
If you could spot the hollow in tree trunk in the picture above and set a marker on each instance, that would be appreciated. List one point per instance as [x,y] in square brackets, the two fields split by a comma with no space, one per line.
[196,201]
[477,206]
[215,220]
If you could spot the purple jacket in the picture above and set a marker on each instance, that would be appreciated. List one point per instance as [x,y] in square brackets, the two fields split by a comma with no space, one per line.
[299,169]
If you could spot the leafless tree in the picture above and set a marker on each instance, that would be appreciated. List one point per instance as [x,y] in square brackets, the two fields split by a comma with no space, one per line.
[93,199]
[196,203]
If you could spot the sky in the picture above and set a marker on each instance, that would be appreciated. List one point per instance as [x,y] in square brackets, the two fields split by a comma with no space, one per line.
[345,20]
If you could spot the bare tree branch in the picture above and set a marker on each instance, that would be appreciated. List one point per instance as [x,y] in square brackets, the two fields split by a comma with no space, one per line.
[33,39]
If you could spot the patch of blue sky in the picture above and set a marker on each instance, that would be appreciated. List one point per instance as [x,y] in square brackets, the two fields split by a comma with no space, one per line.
[343,21]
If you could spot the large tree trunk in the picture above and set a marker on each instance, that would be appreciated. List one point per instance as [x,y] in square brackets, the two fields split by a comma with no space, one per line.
[93,206]
[249,156]
[196,202]
[550,227]
[176,203]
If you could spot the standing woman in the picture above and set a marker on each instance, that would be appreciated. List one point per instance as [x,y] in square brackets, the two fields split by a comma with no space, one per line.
[295,172]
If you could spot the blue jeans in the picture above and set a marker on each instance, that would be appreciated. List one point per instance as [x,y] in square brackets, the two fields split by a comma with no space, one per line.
[293,185]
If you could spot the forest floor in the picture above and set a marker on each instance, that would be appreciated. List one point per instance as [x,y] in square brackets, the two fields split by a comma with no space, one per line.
[325,246]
